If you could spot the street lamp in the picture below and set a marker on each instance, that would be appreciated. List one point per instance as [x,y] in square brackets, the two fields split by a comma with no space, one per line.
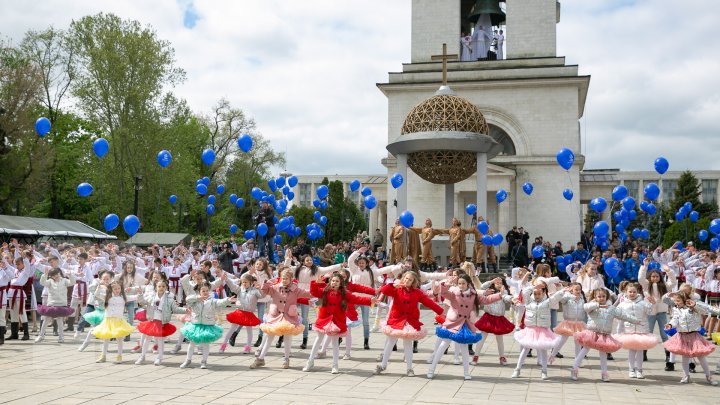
[138,187]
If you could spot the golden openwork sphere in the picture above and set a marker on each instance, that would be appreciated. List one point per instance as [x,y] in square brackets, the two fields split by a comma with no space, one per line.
[444,113]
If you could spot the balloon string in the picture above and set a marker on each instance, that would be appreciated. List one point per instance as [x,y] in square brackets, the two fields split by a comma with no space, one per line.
[569,179]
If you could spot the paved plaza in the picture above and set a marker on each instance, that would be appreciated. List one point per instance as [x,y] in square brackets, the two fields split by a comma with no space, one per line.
[52,373]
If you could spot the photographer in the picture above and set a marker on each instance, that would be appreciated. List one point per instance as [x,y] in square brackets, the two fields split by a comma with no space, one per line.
[266,243]
[226,257]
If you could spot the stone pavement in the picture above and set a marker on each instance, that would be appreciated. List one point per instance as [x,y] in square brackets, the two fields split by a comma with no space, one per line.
[52,373]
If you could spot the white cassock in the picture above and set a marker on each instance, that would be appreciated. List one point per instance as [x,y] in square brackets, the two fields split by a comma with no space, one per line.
[500,46]
[466,48]
[481,38]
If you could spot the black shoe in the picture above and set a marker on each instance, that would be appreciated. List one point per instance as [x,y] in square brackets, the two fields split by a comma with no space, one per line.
[415,344]
[692,367]
[279,342]
[669,366]
[667,356]
[70,322]
[13,331]
[258,341]
[559,356]
[127,338]
[446,351]
[366,344]
[529,353]
[645,355]
[2,335]
[610,356]
[470,350]
[233,337]
[26,332]
[339,340]
[395,347]
[303,345]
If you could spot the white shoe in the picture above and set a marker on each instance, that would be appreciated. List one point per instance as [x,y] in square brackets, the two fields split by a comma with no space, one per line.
[710,380]
[410,373]
[76,335]
[61,340]
[347,357]
[574,374]
[157,362]
[334,370]
[685,379]
[39,339]
[430,375]
[639,375]
[308,366]
[543,375]
[379,357]
[203,365]
[456,362]
[605,377]
[175,349]
[429,360]
[632,374]
[516,373]
[100,359]
[468,377]
[379,369]
[374,329]
[83,346]
[185,364]
[140,360]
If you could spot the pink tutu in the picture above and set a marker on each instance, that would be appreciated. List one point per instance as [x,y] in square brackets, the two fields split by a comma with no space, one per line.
[536,337]
[637,341]
[407,332]
[569,328]
[599,341]
[689,344]
[329,329]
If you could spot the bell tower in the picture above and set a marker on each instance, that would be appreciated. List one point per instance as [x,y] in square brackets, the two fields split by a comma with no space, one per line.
[531,28]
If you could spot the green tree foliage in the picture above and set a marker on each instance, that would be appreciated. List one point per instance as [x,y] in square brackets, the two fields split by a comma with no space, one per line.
[685,231]
[344,217]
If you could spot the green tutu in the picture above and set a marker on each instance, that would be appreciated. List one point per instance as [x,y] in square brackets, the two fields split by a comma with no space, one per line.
[95,317]
[199,333]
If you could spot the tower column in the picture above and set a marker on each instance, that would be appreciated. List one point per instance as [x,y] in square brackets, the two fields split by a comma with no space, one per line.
[402,191]
[449,204]
[481,179]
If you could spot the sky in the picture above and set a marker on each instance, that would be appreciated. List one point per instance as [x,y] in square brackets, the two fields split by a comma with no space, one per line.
[306,71]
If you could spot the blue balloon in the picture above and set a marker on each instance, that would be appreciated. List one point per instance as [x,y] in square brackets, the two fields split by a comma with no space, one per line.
[688,206]
[538,252]
[703,235]
[565,158]
[271,185]
[568,258]
[366,191]
[652,191]
[131,224]
[619,192]
[601,229]
[645,234]
[312,235]
[233,199]
[679,216]
[101,147]
[285,190]
[245,143]
[471,209]
[632,215]
[598,204]
[323,220]
[651,209]
[208,157]
[497,239]
[661,165]
[316,203]
[111,222]
[487,240]
[527,188]
[280,182]
[42,126]
[354,185]
[714,226]
[406,219]
[233,229]
[483,227]
[396,180]
[568,194]
[619,228]
[282,224]
[623,236]
[277,239]
[317,215]
[211,199]
[262,229]
[206,180]
[173,199]
[240,202]
[714,243]
[84,189]
[164,158]
[323,205]
[210,209]
[292,181]
[256,193]
[644,205]
[500,196]
[220,188]
[249,234]
[611,266]
[290,195]
[636,233]
[370,202]
[628,203]
[201,189]
[322,191]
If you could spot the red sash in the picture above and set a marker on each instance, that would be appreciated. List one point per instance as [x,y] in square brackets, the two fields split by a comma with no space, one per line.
[174,284]
[18,294]
[82,291]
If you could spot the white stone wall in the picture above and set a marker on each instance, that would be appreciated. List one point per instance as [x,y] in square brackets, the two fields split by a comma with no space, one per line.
[531,29]
[434,22]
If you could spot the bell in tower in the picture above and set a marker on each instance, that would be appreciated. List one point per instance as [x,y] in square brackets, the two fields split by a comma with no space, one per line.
[489,7]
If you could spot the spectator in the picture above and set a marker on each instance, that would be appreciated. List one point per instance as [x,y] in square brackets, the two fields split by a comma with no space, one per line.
[301,249]
[632,267]
[378,239]
[266,243]
[510,238]
[519,254]
[580,254]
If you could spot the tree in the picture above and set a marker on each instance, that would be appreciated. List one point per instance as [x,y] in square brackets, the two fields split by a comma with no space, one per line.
[344,217]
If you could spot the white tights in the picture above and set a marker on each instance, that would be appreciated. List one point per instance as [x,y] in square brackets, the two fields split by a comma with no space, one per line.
[106,344]
[145,342]
[703,363]
[444,344]
[233,328]
[563,340]
[407,347]
[603,359]
[320,340]
[541,354]
[635,360]
[268,340]
[348,343]
[204,347]
[500,344]
[46,320]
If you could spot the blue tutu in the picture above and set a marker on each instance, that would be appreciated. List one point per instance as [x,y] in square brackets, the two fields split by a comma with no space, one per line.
[352,324]
[672,331]
[200,333]
[464,336]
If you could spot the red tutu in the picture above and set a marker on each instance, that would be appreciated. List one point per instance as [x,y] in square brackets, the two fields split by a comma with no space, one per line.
[689,344]
[243,318]
[599,341]
[569,328]
[140,315]
[497,325]
[156,328]
[637,341]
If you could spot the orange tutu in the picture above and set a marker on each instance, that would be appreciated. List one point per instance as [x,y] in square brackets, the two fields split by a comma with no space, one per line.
[569,328]
[243,318]
[637,341]
[282,328]
[599,341]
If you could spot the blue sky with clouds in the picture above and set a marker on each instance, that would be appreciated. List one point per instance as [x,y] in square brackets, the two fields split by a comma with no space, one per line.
[306,71]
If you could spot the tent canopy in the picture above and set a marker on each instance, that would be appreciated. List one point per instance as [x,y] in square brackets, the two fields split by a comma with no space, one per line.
[33,228]
[163,239]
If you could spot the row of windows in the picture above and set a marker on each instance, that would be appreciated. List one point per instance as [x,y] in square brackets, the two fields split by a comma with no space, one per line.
[709,189]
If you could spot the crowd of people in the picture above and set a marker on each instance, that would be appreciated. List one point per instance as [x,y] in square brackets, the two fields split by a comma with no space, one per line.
[205,293]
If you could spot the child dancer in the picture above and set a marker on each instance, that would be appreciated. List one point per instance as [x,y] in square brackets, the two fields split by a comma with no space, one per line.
[464,304]
[57,307]
[536,334]
[247,298]
[96,304]
[635,338]
[331,320]
[188,283]
[574,318]
[687,342]
[283,318]
[202,330]
[6,274]
[597,335]
[493,321]
[652,284]
[404,318]
[113,326]
[161,305]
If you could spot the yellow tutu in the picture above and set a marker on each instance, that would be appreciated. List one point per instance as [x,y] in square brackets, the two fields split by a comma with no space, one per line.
[282,328]
[716,337]
[112,328]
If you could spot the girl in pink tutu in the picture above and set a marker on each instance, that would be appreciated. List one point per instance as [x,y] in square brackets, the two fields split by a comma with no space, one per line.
[635,337]
[331,319]
[687,342]
[57,307]
[597,335]
[159,309]
[283,318]
[243,316]
[536,334]
[574,318]
[493,321]
[403,320]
